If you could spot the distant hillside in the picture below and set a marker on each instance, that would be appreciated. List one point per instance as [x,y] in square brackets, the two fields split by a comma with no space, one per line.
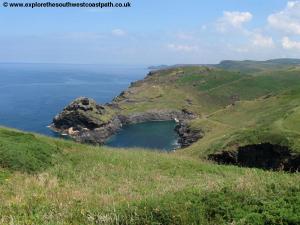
[158,67]
[163,67]
[248,66]
[256,66]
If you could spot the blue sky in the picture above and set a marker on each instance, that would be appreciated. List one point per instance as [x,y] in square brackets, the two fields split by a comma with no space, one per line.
[152,32]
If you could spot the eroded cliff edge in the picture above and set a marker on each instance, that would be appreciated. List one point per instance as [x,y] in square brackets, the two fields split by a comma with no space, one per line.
[235,108]
[86,121]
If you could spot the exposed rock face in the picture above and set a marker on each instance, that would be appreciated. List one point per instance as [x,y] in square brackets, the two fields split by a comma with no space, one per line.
[158,115]
[98,135]
[82,120]
[224,157]
[86,121]
[81,113]
[187,136]
[265,156]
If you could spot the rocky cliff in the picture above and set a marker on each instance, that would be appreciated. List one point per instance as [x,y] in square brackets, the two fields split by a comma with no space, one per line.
[88,122]
[150,99]
[264,155]
[187,135]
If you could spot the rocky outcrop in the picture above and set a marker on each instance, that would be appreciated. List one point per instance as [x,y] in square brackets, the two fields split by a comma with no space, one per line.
[87,122]
[98,135]
[187,136]
[265,156]
[157,115]
[81,113]
[83,120]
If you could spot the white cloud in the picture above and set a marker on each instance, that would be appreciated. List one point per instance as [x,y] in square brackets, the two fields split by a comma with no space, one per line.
[183,48]
[289,44]
[233,19]
[118,32]
[236,19]
[292,4]
[287,20]
[262,41]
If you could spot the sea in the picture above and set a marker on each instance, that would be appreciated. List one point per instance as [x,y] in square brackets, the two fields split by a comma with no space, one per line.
[32,94]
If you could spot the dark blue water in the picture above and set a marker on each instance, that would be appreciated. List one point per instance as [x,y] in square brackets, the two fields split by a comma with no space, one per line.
[155,135]
[32,94]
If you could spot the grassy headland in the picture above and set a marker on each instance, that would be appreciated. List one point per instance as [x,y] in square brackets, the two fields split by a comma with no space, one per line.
[234,108]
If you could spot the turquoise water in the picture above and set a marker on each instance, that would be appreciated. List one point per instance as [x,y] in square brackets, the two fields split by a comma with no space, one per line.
[153,135]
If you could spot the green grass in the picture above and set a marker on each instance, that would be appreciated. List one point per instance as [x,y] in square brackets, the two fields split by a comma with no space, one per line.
[249,66]
[210,80]
[25,152]
[99,185]
[224,206]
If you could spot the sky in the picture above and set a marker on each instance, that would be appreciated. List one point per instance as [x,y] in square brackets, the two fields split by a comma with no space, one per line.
[151,32]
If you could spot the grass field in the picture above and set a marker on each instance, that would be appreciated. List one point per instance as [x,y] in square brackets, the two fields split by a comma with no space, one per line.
[79,184]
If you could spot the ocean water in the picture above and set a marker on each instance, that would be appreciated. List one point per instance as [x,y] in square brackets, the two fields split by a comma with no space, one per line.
[32,94]
[153,135]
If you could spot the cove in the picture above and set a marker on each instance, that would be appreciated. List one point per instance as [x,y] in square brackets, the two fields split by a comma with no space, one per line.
[152,135]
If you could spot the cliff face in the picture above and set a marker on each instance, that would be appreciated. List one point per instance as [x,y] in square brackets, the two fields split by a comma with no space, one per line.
[187,135]
[150,99]
[82,113]
[87,122]
[264,155]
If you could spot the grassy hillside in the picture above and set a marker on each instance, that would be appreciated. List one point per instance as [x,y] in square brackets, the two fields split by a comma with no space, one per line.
[251,66]
[97,185]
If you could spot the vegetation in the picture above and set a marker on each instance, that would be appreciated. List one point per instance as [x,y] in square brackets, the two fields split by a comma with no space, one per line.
[259,103]
[52,181]
[99,185]
[25,152]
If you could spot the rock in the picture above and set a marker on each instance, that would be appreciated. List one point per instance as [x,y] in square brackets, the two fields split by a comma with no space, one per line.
[99,135]
[81,113]
[72,132]
[188,113]
[157,115]
[264,156]
[85,101]
[187,136]
[224,157]
[82,121]
[86,121]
